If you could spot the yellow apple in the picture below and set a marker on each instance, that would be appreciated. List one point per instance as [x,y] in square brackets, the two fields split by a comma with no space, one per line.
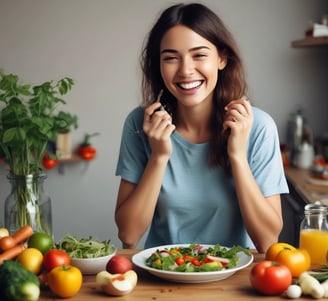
[3,232]
[116,284]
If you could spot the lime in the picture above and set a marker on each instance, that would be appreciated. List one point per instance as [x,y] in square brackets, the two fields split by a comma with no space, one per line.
[41,241]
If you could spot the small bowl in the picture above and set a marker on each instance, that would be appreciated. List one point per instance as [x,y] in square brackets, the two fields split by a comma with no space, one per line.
[89,266]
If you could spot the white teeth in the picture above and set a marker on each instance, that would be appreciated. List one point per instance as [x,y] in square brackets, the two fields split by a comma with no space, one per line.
[190,85]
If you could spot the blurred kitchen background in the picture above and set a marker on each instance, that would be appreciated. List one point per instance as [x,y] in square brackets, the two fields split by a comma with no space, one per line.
[98,43]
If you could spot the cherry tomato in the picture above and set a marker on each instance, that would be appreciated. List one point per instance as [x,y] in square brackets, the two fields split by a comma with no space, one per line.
[54,258]
[188,258]
[179,261]
[87,152]
[270,278]
[49,163]
[65,281]
[196,262]
[297,260]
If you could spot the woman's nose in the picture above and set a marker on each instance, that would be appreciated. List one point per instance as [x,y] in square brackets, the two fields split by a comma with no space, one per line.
[186,67]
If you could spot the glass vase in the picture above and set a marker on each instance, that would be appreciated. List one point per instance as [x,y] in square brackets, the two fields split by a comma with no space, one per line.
[27,204]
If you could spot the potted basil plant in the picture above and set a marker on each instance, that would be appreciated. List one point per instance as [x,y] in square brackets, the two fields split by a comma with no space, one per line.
[65,122]
[28,121]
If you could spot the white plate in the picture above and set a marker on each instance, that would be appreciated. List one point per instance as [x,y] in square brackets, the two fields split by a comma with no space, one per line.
[139,260]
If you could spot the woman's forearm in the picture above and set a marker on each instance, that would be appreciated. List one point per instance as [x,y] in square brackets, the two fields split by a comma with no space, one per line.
[136,203]
[262,216]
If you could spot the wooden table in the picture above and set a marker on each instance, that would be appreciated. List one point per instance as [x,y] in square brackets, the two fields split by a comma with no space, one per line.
[237,287]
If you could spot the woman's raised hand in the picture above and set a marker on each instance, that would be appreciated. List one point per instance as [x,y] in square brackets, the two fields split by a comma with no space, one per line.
[158,127]
[239,118]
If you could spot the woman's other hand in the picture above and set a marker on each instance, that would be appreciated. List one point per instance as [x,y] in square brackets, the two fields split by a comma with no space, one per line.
[158,127]
[239,118]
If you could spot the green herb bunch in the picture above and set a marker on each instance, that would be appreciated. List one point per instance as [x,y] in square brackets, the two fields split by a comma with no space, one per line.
[28,120]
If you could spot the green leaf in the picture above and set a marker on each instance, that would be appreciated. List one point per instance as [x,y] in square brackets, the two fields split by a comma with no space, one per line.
[14,137]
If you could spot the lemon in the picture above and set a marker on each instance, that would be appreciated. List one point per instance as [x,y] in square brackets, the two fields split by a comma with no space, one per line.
[31,259]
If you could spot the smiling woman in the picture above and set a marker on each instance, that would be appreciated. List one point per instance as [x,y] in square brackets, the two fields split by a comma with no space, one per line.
[208,148]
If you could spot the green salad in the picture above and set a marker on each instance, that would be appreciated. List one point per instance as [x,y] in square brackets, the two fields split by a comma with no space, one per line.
[195,258]
[84,247]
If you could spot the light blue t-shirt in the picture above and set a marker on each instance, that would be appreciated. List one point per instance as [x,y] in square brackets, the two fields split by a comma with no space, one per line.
[197,202]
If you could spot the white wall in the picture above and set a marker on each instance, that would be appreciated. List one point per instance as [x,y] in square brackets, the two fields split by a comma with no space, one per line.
[98,43]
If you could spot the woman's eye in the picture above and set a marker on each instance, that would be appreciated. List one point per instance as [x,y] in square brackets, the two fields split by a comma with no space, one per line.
[170,58]
[200,55]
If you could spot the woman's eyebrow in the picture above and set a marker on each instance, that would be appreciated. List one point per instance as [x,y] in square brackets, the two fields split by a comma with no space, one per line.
[192,49]
[168,51]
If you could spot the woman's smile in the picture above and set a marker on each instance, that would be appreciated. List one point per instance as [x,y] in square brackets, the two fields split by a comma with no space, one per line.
[190,85]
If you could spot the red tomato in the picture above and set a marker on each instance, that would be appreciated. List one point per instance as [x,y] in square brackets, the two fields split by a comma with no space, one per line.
[48,163]
[179,261]
[270,278]
[54,258]
[188,258]
[196,262]
[87,152]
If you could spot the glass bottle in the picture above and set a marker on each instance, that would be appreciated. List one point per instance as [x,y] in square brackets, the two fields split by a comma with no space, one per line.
[314,232]
[27,204]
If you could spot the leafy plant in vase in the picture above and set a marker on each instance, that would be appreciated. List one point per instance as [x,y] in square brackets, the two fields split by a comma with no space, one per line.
[28,121]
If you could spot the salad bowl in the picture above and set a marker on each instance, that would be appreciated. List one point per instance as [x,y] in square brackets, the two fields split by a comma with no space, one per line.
[140,258]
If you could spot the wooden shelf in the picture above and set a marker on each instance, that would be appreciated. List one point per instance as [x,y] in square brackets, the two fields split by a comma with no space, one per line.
[63,161]
[310,42]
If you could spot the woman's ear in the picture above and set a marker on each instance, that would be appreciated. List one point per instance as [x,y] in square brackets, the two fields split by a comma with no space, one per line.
[223,60]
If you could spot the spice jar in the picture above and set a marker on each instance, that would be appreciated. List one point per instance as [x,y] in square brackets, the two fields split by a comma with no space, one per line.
[314,232]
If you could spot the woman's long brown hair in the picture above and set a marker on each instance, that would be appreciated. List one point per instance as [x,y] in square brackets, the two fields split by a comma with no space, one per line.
[231,80]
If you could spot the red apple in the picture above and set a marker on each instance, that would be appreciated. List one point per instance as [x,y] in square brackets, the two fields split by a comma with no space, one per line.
[118,264]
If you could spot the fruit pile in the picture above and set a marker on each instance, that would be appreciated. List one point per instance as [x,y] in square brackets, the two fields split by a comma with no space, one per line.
[34,256]
[286,271]
[35,253]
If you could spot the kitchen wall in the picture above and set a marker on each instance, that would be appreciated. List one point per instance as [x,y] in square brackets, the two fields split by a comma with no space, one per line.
[98,43]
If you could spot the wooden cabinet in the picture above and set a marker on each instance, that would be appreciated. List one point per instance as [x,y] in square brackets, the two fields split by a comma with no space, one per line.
[311,42]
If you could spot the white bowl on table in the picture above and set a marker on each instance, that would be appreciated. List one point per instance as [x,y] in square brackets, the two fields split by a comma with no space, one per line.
[90,266]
